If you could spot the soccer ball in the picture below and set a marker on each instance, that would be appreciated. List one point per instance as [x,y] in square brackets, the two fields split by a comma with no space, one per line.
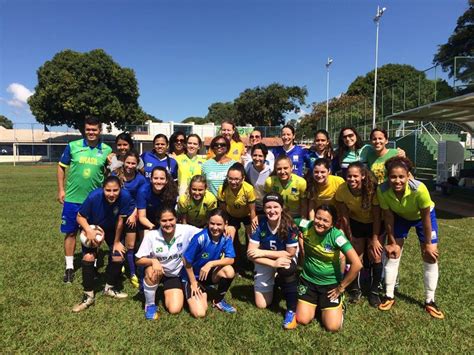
[99,236]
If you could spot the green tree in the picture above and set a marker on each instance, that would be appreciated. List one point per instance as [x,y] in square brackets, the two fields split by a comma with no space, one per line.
[220,111]
[5,122]
[460,43]
[148,117]
[73,85]
[263,106]
[196,120]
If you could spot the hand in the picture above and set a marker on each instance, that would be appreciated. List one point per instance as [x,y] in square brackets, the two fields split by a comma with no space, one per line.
[204,272]
[335,293]
[132,220]
[151,226]
[430,252]
[110,157]
[195,290]
[91,235]
[393,251]
[282,262]
[375,249]
[254,223]
[401,153]
[157,268]
[254,253]
[61,196]
[119,247]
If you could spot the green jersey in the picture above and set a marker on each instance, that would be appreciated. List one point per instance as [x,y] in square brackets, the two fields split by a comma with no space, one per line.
[377,164]
[86,168]
[321,254]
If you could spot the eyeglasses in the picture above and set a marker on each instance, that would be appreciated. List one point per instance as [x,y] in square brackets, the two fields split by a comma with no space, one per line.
[179,141]
[254,137]
[218,145]
[350,135]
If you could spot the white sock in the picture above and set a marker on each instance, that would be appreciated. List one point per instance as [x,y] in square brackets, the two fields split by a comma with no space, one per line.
[69,262]
[89,293]
[150,292]
[108,287]
[430,279]
[95,263]
[391,272]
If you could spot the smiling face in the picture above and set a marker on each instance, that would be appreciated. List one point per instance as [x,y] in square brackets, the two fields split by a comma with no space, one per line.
[197,191]
[235,179]
[398,178]
[179,144]
[255,138]
[258,158]
[283,169]
[168,224]
[227,130]
[192,146]
[160,145]
[320,143]
[354,178]
[130,164]
[219,147]
[322,221]
[320,174]
[216,226]
[122,147]
[158,180]
[111,191]
[378,141]
[349,138]
[287,137]
[92,133]
[272,210]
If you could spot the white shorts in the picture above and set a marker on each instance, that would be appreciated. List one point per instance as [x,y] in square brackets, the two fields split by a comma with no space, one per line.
[264,278]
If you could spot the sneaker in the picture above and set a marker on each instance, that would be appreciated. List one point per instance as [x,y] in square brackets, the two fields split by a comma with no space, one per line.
[434,310]
[134,281]
[224,307]
[86,302]
[111,292]
[386,303]
[374,299]
[68,276]
[151,312]
[355,295]
[289,322]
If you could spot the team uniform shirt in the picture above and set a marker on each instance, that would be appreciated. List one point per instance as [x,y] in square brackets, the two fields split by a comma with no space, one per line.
[354,204]
[203,249]
[98,211]
[86,168]
[151,161]
[236,151]
[325,194]
[352,156]
[415,198]
[377,164]
[311,158]
[154,246]
[293,192]
[257,180]
[297,156]
[321,255]
[237,205]
[116,163]
[187,169]
[196,212]
[147,199]
[269,160]
[134,185]
[267,239]
[215,173]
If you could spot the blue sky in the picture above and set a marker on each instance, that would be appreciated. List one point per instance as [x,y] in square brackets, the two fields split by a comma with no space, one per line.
[190,54]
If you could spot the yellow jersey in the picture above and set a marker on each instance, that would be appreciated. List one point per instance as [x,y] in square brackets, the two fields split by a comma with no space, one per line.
[325,194]
[237,205]
[196,212]
[354,204]
[293,192]
[237,149]
[187,168]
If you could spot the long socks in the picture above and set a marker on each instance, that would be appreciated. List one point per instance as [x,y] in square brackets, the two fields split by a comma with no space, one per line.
[113,272]
[430,280]
[88,275]
[377,270]
[131,261]
[222,287]
[150,292]
[391,272]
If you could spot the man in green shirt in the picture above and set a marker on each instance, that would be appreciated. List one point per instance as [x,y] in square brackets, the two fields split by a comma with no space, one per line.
[85,160]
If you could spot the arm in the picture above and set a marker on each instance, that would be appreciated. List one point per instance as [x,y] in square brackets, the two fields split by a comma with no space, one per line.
[253,215]
[90,233]
[343,211]
[430,250]
[143,219]
[353,259]
[375,247]
[311,209]
[268,257]
[118,246]
[304,208]
[61,178]
[392,248]
[195,290]
[154,263]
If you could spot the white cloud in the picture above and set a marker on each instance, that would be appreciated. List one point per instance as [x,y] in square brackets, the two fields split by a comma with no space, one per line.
[20,95]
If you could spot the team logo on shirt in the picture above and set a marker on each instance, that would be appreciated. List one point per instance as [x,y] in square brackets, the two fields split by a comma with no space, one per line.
[295,158]
[340,241]
[179,246]
[294,190]
[302,289]
[328,248]
[116,210]
[159,250]
[205,256]
[149,164]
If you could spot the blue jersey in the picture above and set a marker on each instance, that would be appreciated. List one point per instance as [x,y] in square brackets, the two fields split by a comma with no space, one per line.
[312,156]
[97,210]
[151,161]
[297,156]
[134,185]
[267,240]
[147,199]
[202,249]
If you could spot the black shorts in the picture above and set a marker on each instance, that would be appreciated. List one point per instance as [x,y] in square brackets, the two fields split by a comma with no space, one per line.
[316,295]
[171,282]
[361,230]
[203,285]
[235,222]
[128,229]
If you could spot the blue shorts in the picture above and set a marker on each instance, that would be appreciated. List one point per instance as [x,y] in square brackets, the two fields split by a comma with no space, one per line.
[402,227]
[68,217]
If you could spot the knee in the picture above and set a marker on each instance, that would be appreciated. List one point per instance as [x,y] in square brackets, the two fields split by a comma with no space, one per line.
[229,272]
[151,279]
[130,245]
[198,313]
[302,319]
[89,257]
[333,328]
[261,304]
[117,259]
[175,308]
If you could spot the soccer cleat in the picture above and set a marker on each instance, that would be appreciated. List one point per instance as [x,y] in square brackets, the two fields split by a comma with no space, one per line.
[434,310]
[386,303]
[134,281]
[111,292]
[289,322]
[68,276]
[86,302]
[151,312]
[355,295]
[224,307]
[374,299]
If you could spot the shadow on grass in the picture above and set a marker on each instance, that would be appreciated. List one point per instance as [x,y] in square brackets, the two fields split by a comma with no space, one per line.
[409,299]
[448,215]
[245,293]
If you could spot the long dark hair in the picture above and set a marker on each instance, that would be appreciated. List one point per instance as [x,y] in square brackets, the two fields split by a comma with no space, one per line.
[328,152]
[235,167]
[399,162]
[125,136]
[120,172]
[369,184]
[292,129]
[169,194]
[342,149]
[173,139]
[218,212]
[236,135]
[312,186]
[286,224]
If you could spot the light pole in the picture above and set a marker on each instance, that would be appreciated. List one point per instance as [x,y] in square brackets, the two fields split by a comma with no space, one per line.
[328,64]
[377,17]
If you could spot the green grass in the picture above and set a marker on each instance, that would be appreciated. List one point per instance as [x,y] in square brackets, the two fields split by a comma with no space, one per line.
[36,306]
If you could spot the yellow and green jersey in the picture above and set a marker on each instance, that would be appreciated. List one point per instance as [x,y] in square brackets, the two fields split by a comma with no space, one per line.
[354,204]
[415,198]
[237,205]
[321,254]
[325,194]
[196,212]
[377,164]
[293,192]
[86,168]
[187,168]
[237,149]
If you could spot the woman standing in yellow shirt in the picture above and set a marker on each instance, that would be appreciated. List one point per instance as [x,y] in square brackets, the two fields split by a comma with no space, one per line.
[189,164]
[237,148]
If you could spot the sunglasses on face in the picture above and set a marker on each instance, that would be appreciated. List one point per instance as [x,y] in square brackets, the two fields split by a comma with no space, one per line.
[218,145]
[179,141]
[254,136]
[350,135]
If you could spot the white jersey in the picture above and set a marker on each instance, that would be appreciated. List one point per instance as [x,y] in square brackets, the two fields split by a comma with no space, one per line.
[269,161]
[257,180]
[169,254]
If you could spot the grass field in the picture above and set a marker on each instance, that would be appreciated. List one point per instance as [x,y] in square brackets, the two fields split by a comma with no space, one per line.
[36,305]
